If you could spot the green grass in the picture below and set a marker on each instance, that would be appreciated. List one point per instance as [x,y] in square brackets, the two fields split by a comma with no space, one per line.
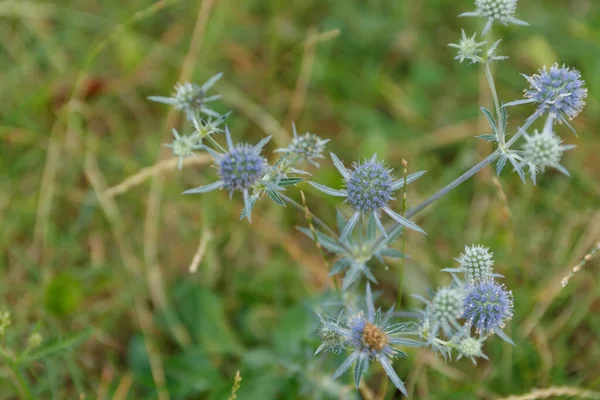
[387,84]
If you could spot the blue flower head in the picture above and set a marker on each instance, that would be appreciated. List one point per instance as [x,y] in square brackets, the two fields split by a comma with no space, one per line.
[371,337]
[191,98]
[559,92]
[240,168]
[369,190]
[487,307]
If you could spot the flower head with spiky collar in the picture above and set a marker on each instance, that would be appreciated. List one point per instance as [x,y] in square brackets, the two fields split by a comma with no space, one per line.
[369,190]
[191,98]
[308,146]
[239,168]
[502,11]
[371,337]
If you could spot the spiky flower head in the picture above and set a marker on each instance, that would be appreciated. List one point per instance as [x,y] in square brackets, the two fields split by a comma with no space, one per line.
[369,189]
[559,92]
[476,263]
[372,337]
[544,150]
[192,98]
[331,340]
[446,305]
[487,307]
[470,348]
[239,168]
[308,146]
[183,146]
[502,11]
[468,48]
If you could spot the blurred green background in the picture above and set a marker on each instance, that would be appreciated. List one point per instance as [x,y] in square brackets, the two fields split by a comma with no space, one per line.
[74,256]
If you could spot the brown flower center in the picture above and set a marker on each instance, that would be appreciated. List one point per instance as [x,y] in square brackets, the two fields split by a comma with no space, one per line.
[373,337]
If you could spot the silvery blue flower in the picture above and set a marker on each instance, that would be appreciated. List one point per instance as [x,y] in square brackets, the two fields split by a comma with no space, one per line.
[487,307]
[470,348]
[369,189]
[476,263]
[559,92]
[502,11]
[190,97]
[544,150]
[309,146]
[468,48]
[183,146]
[371,337]
[239,169]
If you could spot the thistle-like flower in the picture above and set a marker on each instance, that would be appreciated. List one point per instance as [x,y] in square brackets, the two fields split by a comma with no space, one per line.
[183,146]
[502,11]
[191,98]
[470,348]
[240,168]
[476,263]
[444,310]
[331,340]
[369,189]
[559,92]
[206,126]
[544,150]
[487,307]
[468,48]
[371,337]
[309,146]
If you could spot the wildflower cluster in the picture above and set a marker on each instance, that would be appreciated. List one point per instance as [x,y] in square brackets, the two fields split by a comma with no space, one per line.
[241,167]
[478,303]
[457,318]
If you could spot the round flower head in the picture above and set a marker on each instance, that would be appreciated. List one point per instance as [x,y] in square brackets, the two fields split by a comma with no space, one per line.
[543,150]
[502,11]
[183,146]
[331,340]
[371,337]
[470,348]
[309,146]
[369,189]
[468,48]
[240,168]
[444,309]
[560,92]
[191,98]
[476,263]
[487,307]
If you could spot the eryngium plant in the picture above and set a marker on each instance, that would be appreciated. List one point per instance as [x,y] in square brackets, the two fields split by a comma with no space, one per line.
[457,319]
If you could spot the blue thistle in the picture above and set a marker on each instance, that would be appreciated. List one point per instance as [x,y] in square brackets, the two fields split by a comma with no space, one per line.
[240,168]
[487,307]
[444,309]
[559,92]
[191,98]
[371,337]
[183,146]
[370,186]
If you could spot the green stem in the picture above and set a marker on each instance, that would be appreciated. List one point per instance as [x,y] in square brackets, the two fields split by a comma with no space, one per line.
[215,143]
